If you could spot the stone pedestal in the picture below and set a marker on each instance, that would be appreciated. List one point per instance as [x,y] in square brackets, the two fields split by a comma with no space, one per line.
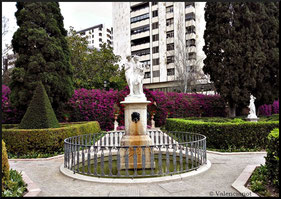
[252,119]
[135,132]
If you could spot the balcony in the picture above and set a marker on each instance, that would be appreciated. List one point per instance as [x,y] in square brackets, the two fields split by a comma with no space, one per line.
[140,35]
[144,57]
[155,31]
[140,46]
[190,23]
[189,9]
[170,27]
[171,77]
[136,3]
[190,36]
[156,79]
[154,19]
[169,15]
[140,23]
[140,12]
[170,40]
[191,49]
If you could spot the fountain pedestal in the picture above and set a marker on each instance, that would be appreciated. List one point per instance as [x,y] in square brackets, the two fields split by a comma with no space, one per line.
[135,133]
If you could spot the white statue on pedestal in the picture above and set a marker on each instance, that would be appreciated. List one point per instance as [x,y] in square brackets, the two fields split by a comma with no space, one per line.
[252,112]
[134,72]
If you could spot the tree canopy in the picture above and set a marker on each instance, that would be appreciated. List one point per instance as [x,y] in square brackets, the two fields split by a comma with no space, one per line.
[43,55]
[238,54]
[92,67]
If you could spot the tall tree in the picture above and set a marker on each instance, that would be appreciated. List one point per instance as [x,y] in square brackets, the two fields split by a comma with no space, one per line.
[267,88]
[234,49]
[40,42]
[92,67]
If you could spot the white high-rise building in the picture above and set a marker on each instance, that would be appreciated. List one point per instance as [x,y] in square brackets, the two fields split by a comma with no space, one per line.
[154,30]
[97,35]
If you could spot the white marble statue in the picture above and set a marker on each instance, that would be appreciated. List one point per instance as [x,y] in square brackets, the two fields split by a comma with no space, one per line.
[252,112]
[134,72]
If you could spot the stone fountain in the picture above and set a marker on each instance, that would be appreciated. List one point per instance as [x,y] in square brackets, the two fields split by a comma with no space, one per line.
[135,115]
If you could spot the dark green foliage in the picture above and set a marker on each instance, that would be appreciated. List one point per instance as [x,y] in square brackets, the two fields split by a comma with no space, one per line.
[29,141]
[40,42]
[39,114]
[272,158]
[17,187]
[228,134]
[240,58]
[92,67]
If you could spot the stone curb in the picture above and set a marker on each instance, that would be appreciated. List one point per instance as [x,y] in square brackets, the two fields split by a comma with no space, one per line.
[70,174]
[236,153]
[32,188]
[241,181]
[39,159]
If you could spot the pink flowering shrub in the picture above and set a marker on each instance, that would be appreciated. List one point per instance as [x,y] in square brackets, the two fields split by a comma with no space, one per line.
[9,114]
[269,109]
[275,107]
[93,105]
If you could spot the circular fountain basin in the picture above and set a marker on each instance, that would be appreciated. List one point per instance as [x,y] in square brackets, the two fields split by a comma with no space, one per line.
[96,158]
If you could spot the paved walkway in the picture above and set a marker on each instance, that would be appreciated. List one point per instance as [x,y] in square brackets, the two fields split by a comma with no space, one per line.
[216,181]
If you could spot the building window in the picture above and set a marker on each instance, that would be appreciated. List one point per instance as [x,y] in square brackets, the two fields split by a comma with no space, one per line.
[190,29]
[146,75]
[170,22]
[155,49]
[170,71]
[82,33]
[108,30]
[140,29]
[92,41]
[190,16]
[190,42]
[191,55]
[170,34]
[154,3]
[100,39]
[147,62]
[155,61]
[189,4]
[99,28]
[155,25]
[155,37]
[169,9]
[100,34]
[155,13]
[170,47]
[170,59]
[139,18]
[141,52]
[156,73]
[100,45]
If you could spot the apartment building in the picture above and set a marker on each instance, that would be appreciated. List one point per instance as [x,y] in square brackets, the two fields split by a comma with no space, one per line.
[154,31]
[97,35]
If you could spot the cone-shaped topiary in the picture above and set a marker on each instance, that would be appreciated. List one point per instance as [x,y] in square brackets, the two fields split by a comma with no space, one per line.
[5,167]
[39,114]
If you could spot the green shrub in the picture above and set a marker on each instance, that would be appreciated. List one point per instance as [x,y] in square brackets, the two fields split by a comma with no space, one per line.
[17,187]
[228,134]
[272,157]
[28,141]
[5,167]
[39,114]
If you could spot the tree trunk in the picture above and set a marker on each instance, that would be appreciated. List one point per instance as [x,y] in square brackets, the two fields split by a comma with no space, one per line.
[232,111]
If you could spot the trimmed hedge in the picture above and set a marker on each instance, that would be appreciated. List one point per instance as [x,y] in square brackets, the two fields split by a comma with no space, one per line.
[5,167]
[39,114]
[27,141]
[272,158]
[226,135]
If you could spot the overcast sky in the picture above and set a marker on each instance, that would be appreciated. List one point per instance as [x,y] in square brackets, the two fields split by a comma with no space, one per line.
[80,15]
